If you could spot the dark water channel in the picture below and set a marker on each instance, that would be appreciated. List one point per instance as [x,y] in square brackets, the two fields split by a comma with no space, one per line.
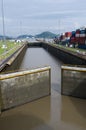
[39,57]
[54,112]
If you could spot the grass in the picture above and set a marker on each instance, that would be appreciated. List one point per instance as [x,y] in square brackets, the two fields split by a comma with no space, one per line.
[11,48]
[77,50]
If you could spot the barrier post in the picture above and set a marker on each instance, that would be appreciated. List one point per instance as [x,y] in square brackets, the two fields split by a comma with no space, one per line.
[25,86]
[73,81]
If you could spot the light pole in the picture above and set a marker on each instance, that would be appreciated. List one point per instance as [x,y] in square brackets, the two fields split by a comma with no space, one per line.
[59,26]
[3,23]
[20,28]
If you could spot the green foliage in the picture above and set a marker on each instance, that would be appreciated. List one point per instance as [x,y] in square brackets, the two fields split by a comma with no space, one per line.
[10,48]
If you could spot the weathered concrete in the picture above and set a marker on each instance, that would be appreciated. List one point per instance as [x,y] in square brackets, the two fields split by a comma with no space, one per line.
[73,81]
[54,112]
[12,62]
[0,101]
[36,44]
[64,55]
[22,87]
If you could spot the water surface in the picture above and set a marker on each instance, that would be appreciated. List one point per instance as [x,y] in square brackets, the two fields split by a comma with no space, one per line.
[54,112]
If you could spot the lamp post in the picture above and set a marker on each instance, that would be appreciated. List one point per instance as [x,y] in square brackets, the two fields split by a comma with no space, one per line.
[3,23]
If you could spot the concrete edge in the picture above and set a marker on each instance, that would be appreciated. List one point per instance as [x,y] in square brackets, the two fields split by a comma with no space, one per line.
[74,68]
[14,74]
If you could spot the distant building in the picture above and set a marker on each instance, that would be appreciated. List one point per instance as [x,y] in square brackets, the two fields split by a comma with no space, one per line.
[18,41]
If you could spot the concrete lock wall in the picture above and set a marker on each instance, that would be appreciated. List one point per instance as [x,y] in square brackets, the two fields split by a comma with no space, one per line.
[13,61]
[0,101]
[73,81]
[64,55]
[22,87]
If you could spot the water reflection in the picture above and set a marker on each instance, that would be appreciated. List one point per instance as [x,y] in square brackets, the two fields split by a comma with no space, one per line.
[38,57]
[55,112]
[73,111]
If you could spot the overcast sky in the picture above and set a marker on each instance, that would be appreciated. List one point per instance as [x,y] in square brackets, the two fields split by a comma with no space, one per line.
[36,16]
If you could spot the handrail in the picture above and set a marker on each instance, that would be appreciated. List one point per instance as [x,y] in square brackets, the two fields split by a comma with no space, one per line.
[16,74]
[74,68]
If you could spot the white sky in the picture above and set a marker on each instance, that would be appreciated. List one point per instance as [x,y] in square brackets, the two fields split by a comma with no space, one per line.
[36,16]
